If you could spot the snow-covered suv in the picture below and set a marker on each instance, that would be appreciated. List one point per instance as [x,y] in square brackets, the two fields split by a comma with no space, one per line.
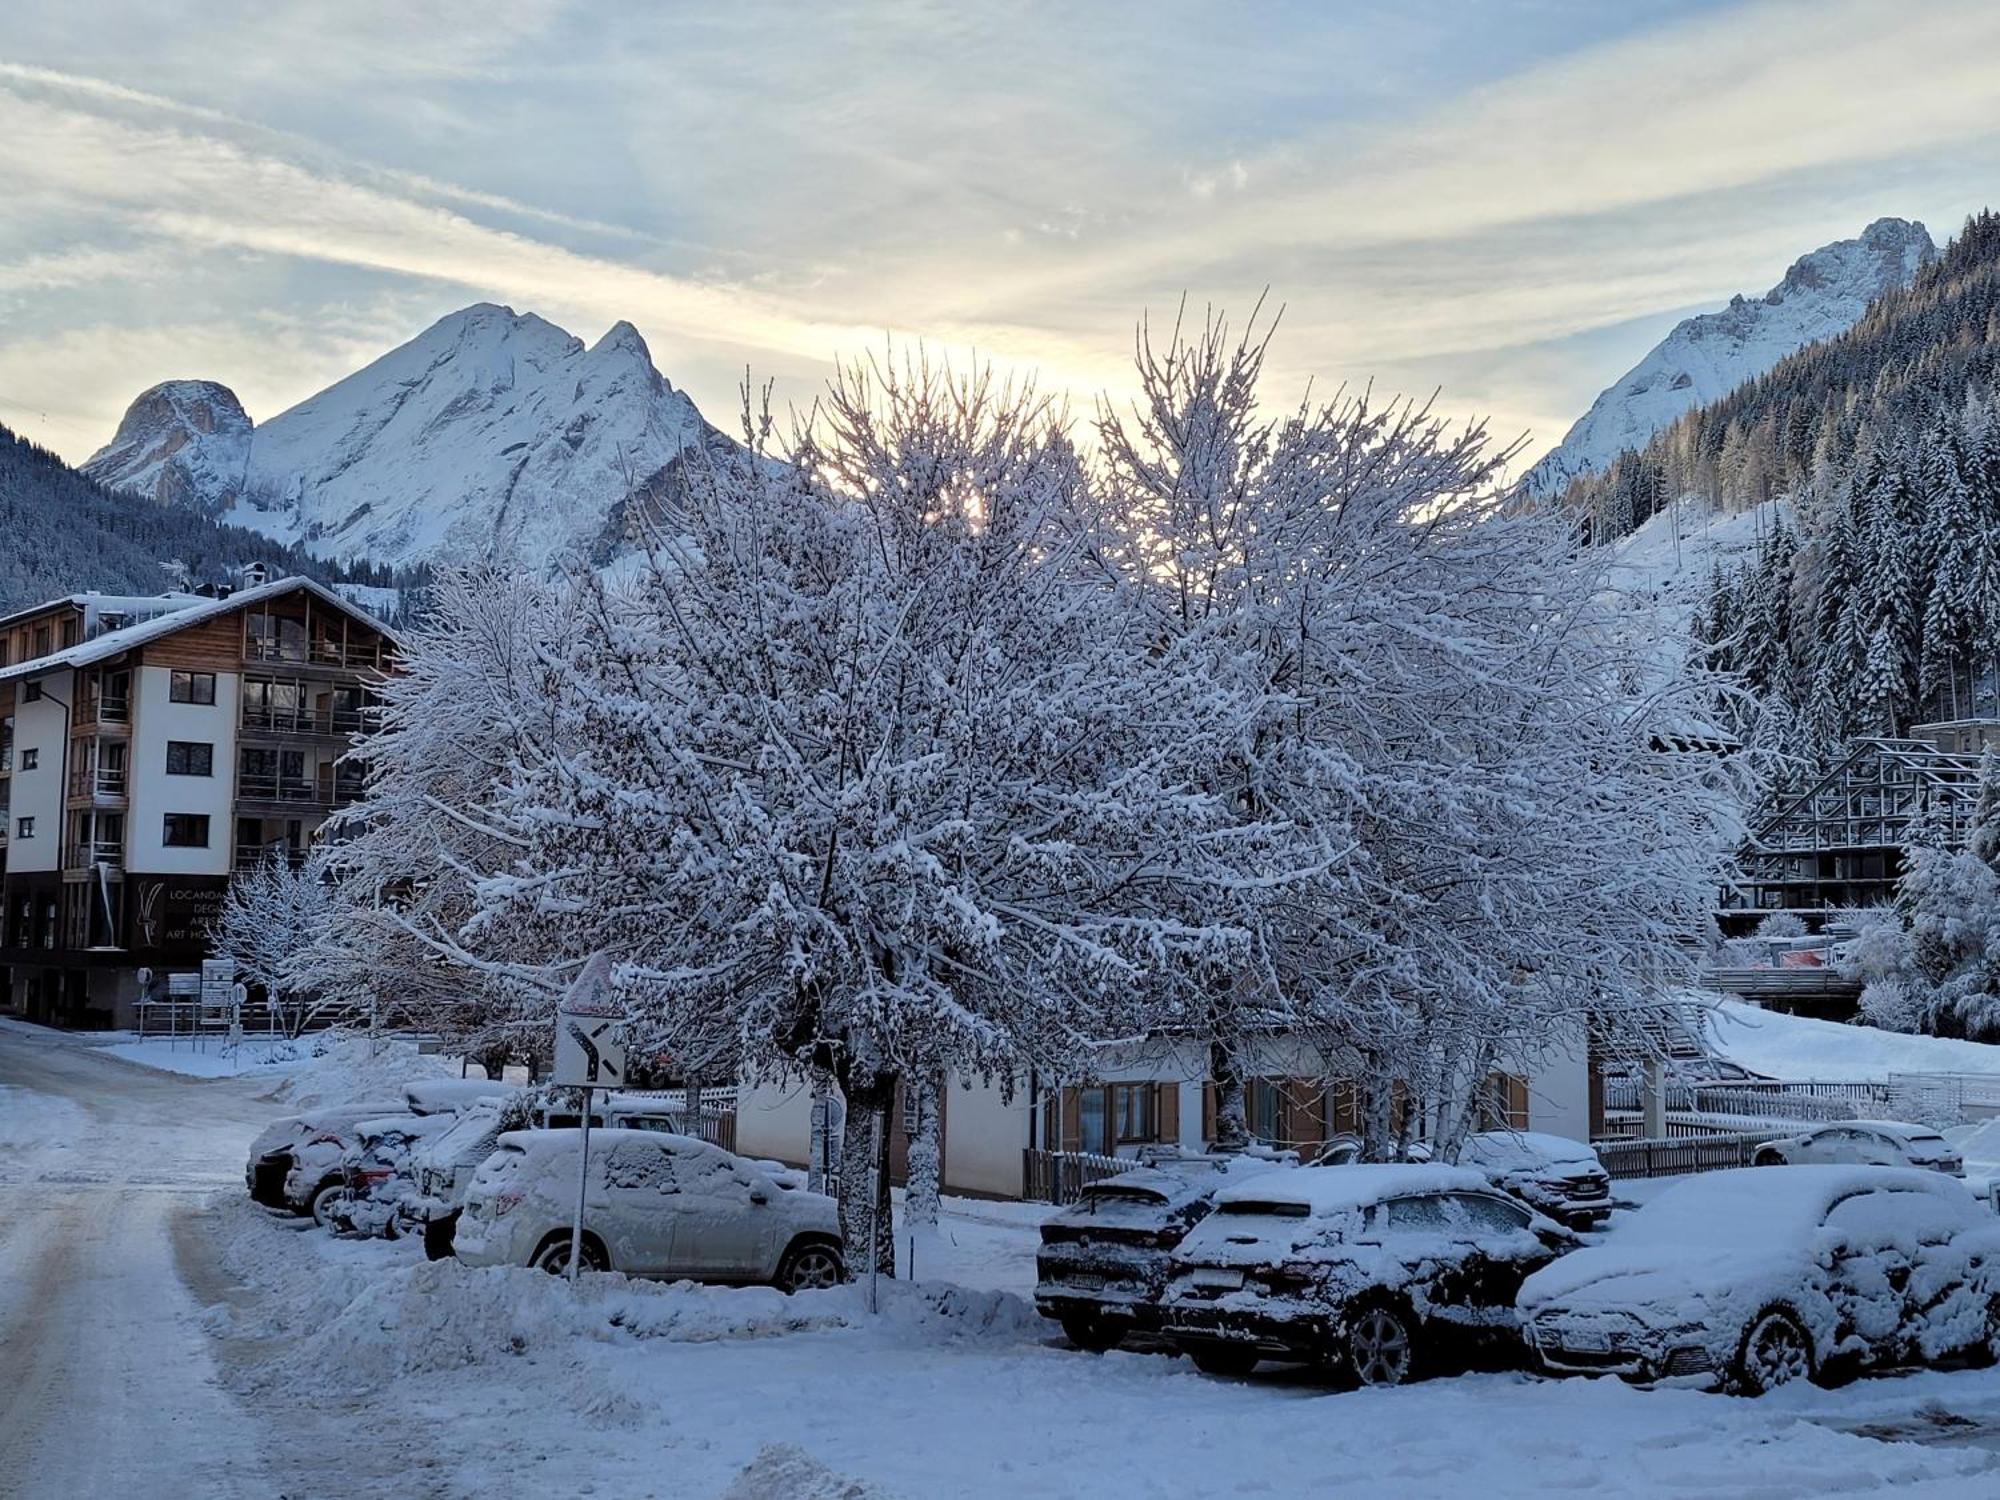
[1103,1260]
[1379,1271]
[666,1206]
[1550,1173]
[377,1174]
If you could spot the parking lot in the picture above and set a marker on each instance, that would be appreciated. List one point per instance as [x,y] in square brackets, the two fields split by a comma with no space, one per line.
[222,1350]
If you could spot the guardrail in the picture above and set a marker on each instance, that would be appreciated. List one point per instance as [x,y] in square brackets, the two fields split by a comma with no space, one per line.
[1061,1176]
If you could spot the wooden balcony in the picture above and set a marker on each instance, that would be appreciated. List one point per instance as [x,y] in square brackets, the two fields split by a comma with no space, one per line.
[91,853]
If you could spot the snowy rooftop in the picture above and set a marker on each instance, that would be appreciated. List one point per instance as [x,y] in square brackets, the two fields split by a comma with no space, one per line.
[116,642]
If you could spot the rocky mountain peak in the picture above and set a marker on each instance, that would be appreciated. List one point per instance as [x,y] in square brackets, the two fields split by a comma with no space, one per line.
[182,442]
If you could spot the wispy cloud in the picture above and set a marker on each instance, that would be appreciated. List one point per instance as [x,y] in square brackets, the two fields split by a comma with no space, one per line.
[1438,196]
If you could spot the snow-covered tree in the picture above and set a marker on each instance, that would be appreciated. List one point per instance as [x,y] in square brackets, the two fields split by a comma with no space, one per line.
[1475,817]
[273,923]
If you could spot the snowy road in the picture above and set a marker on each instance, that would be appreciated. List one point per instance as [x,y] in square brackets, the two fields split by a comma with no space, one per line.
[107,1386]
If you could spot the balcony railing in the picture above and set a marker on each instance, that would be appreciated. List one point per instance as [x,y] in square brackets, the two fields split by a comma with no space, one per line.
[327,721]
[356,658]
[89,853]
[103,709]
[256,788]
[250,856]
[106,783]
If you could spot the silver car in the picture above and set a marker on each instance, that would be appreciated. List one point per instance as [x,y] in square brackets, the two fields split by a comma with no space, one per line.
[1863,1143]
[657,1205]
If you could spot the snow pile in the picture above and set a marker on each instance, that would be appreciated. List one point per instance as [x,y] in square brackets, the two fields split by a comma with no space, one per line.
[344,1067]
[1800,1048]
[783,1471]
[1707,357]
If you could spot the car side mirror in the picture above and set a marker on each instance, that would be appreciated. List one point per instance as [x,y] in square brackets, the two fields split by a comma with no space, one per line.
[758,1195]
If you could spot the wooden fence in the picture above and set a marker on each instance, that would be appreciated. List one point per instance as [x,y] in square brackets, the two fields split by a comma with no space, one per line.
[1672,1158]
[1061,1176]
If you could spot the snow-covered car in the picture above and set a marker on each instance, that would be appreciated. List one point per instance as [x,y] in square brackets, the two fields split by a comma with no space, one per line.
[666,1206]
[1381,1271]
[1750,1278]
[1552,1174]
[439,1096]
[1862,1143]
[377,1173]
[270,1159]
[1103,1260]
[1978,1148]
[441,1169]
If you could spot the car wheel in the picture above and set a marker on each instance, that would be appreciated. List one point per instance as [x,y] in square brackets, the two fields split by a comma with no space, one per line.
[553,1256]
[322,1202]
[439,1235]
[1768,1158]
[1775,1352]
[1092,1335]
[1382,1345]
[810,1267]
[1223,1359]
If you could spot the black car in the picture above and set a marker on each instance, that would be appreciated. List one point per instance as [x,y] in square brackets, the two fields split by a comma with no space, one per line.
[1103,1260]
[1380,1272]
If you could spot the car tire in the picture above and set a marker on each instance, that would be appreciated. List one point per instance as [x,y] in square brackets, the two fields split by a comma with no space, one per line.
[1382,1345]
[1767,1158]
[810,1266]
[319,1207]
[439,1236]
[552,1255]
[1092,1335]
[1223,1359]
[1776,1350]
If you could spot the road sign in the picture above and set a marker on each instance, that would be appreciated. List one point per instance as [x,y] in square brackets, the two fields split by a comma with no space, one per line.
[589,1054]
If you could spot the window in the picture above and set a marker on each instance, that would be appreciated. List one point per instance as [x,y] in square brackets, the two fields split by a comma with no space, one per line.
[1132,1112]
[25,829]
[191,687]
[190,758]
[186,831]
[31,692]
[1492,1215]
[31,759]
[42,640]
[1421,1215]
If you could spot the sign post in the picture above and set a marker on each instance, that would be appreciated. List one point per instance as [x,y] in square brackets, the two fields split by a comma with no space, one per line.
[589,1056]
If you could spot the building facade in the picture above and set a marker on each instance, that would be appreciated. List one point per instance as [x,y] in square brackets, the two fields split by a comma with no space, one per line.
[149,748]
[996,1137]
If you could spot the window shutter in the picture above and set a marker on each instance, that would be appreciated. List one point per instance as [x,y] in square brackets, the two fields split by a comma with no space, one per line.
[1167,1112]
[1208,1111]
[1517,1102]
[1072,1120]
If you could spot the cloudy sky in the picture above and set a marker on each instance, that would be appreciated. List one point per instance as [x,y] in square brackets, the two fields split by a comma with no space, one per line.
[1508,199]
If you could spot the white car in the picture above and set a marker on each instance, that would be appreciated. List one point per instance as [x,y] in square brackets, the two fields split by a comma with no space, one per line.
[665,1206]
[1749,1279]
[1550,1173]
[441,1169]
[1978,1148]
[1862,1143]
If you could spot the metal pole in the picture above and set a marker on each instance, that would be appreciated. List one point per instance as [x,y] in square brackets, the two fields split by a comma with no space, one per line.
[875,1219]
[582,1177]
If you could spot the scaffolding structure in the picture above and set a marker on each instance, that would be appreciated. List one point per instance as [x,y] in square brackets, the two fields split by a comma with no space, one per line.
[1839,843]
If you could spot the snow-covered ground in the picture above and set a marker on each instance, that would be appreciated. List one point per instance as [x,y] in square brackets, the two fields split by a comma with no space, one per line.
[218,1350]
[1798,1047]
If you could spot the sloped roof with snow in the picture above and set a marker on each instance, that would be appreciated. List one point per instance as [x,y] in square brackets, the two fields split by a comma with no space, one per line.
[117,642]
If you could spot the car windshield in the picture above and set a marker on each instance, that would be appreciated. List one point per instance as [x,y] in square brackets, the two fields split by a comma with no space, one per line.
[1121,1193]
[1923,1145]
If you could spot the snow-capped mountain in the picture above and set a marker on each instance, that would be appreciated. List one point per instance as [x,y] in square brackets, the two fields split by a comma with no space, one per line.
[185,442]
[1706,357]
[490,427]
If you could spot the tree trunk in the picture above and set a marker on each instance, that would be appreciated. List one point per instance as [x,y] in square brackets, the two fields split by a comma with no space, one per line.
[1225,1067]
[824,1158]
[920,1187]
[1375,1102]
[870,1096]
